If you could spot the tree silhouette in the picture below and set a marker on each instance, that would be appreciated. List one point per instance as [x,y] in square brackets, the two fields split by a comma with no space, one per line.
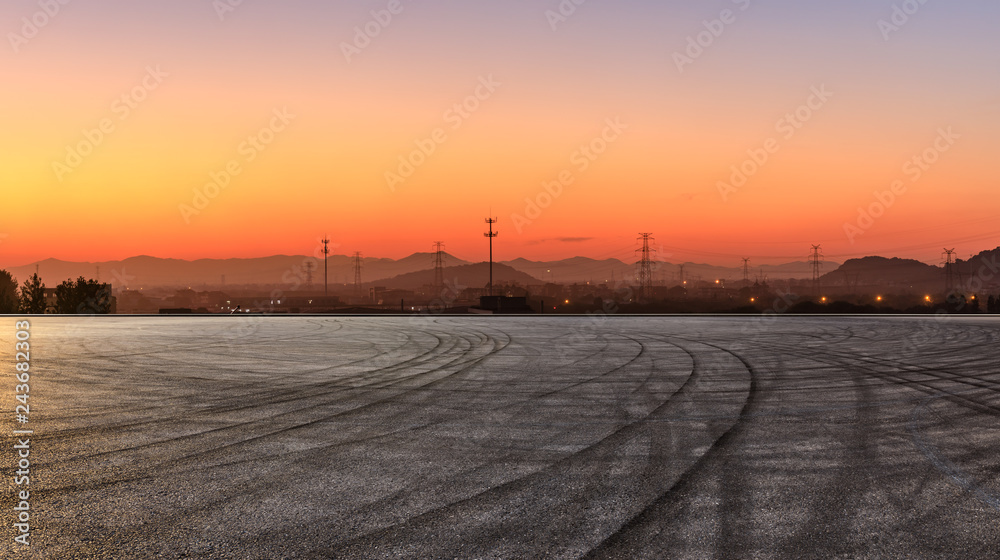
[33,296]
[84,297]
[8,293]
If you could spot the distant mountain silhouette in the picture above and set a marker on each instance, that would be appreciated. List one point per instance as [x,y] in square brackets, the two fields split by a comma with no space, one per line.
[467,276]
[576,269]
[895,275]
[146,271]
[582,269]
[868,273]
[884,271]
[707,272]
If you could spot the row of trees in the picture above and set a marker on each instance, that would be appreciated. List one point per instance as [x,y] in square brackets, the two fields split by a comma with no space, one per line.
[82,296]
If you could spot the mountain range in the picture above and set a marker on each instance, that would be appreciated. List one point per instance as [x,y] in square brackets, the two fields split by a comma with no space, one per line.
[147,272]
[417,270]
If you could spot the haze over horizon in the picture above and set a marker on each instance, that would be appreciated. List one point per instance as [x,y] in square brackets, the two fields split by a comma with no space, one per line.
[763,261]
[311,114]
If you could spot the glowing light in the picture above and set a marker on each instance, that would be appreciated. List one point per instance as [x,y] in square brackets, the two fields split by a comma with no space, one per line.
[927,298]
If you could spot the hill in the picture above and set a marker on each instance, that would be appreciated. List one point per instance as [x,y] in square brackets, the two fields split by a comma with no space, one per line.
[582,269]
[146,271]
[467,276]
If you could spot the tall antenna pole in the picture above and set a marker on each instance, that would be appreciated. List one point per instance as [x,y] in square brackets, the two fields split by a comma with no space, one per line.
[438,265]
[326,253]
[491,235]
[815,259]
[646,266]
[746,271]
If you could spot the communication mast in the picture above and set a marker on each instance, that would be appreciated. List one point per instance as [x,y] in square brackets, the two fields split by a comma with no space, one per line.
[491,235]
[326,253]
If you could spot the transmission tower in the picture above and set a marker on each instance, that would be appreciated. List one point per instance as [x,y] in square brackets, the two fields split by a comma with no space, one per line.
[949,270]
[746,271]
[816,260]
[309,274]
[357,273]
[645,266]
[438,265]
[683,281]
[326,253]
[491,235]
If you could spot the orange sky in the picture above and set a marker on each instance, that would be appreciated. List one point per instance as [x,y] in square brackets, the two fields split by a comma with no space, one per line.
[198,87]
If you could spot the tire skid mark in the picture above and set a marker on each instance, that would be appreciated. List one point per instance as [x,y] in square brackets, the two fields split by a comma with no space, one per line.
[941,463]
[460,360]
[497,495]
[623,540]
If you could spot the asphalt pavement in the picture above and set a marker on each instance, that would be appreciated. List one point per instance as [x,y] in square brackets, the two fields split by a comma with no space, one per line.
[509,437]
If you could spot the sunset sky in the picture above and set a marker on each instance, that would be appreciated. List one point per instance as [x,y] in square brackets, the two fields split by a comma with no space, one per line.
[181,87]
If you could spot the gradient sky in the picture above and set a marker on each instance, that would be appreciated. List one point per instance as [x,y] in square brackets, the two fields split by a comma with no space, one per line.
[325,172]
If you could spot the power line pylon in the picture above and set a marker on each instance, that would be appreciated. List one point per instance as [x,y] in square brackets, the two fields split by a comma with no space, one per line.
[326,253]
[438,265]
[816,260]
[357,273]
[491,235]
[309,274]
[949,270]
[746,271]
[646,266]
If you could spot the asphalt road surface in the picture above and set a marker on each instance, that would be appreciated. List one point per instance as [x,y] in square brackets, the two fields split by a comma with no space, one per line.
[508,437]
